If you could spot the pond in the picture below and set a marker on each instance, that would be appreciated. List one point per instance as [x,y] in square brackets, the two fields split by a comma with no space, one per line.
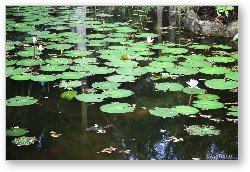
[117,83]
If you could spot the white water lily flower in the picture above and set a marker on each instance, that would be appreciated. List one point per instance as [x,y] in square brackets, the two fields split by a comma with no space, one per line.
[40,48]
[34,39]
[192,83]
[95,125]
[149,40]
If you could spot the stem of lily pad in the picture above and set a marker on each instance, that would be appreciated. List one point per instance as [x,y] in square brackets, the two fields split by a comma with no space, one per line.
[61,52]
[148,54]
[190,98]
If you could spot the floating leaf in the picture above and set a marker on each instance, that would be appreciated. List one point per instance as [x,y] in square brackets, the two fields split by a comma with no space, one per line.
[68,95]
[74,53]
[117,108]
[225,47]
[11,71]
[90,97]
[70,84]
[118,93]
[43,78]
[10,62]
[168,86]
[132,71]
[54,68]
[146,35]
[207,104]
[196,63]
[163,112]
[193,90]
[121,78]
[185,110]
[167,65]
[199,47]
[221,84]
[21,77]
[24,141]
[208,97]
[71,75]
[106,85]
[232,75]
[174,50]
[58,61]
[20,101]
[233,111]
[202,130]
[214,70]
[221,59]
[59,46]
[16,131]
[183,70]
[29,62]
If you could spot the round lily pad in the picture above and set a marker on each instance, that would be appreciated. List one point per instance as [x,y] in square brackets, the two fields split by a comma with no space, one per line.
[90,97]
[10,62]
[208,97]
[29,62]
[221,59]
[71,75]
[16,131]
[207,104]
[193,90]
[233,111]
[161,64]
[106,85]
[132,71]
[68,95]
[171,50]
[185,110]
[117,108]
[11,71]
[59,46]
[221,84]
[146,35]
[43,78]
[121,78]
[70,84]
[101,70]
[182,70]
[118,93]
[21,77]
[20,101]
[202,130]
[58,61]
[214,70]
[196,63]
[232,75]
[75,53]
[200,47]
[168,86]
[163,112]
[225,47]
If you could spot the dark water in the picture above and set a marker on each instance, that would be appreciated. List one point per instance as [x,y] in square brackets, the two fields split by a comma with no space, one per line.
[139,131]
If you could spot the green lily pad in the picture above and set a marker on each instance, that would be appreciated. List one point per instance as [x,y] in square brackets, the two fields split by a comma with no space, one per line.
[10,62]
[225,47]
[71,75]
[59,46]
[169,58]
[193,90]
[221,59]
[90,97]
[121,78]
[214,70]
[163,112]
[101,70]
[16,131]
[28,53]
[202,130]
[195,63]
[185,110]
[70,84]
[43,78]
[118,93]
[161,64]
[20,101]
[106,85]
[146,35]
[168,86]
[200,47]
[21,77]
[232,75]
[182,70]
[96,36]
[195,57]
[117,108]
[132,71]
[68,95]
[207,104]
[58,61]
[208,97]
[29,62]
[125,30]
[11,71]
[233,111]
[54,68]
[171,50]
[221,84]
[75,53]
[85,60]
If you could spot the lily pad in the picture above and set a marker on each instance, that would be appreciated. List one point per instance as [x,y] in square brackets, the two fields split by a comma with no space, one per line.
[132,71]
[43,78]
[202,130]
[118,93]
[117,108]
[208,97]
[161,64]
[233,111]
[20,101]
[221,84]
[29,62]
[22,77]
[171,50]
[106,85]
[168,86]
[75,53]
[196,63]
[24,141]
[163,112]
[200,47]
[182,70]
[10,62]
[54,68]
[59,46]
[221,59]
[232,75]
[207,104]
[70,84]
[121,78]
[193,90]
[146,35]
[185,110]
[11,71]
[16,131]
[90,97]
[214,70]
[225,47]
[71,75]
[58,61]
[68,95]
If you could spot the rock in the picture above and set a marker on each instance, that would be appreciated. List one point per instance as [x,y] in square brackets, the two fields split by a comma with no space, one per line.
[231,29]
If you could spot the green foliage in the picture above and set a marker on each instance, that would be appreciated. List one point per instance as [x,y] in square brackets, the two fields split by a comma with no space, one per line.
[223,9]
[68,95]
[163,112]
[20,101]
[16,131]
[202,130]
[117,108]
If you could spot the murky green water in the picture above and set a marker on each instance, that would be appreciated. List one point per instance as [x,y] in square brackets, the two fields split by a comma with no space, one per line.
[133,135]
